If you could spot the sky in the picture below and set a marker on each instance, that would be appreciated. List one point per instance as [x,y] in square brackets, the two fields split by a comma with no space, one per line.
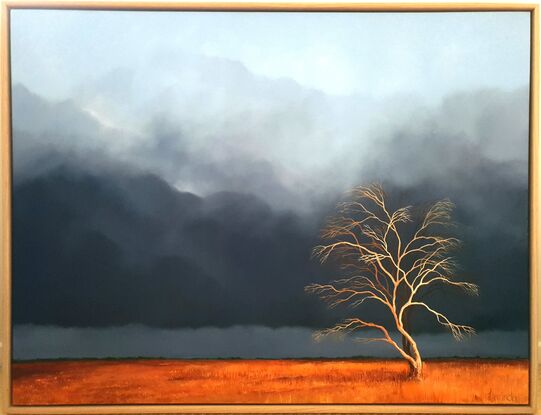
[354,53]
[183,164]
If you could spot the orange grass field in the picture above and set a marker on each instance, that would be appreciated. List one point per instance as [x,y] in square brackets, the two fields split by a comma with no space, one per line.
[147,381]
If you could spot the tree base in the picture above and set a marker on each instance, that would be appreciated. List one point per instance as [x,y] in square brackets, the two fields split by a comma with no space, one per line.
[416,373]
[415,376]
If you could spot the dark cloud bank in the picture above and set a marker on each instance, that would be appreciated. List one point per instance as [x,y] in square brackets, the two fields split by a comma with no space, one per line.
[101,243]
[35,342]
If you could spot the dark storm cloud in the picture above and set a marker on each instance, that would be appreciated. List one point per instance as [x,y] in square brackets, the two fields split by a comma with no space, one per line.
[48,342]
[118,247]
[102,230]
[131,249]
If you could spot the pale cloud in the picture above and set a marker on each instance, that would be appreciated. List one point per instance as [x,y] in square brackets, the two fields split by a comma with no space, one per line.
[429,54]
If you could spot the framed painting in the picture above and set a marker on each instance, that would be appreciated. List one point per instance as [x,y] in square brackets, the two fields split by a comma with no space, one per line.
[269,208]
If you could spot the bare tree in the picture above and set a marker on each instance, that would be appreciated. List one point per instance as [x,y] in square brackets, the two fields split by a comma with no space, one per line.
[388,258]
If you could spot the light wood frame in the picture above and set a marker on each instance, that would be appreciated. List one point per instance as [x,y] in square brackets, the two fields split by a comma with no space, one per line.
[5,206]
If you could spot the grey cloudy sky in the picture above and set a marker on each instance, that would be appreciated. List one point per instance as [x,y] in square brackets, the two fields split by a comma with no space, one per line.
[224,88]
[184,162]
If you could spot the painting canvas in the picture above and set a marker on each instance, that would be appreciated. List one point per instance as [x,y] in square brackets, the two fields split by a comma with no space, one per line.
[270,207]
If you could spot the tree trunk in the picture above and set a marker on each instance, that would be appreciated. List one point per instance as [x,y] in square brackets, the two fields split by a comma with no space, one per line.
[406,345]
[416,370]
[410,347]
